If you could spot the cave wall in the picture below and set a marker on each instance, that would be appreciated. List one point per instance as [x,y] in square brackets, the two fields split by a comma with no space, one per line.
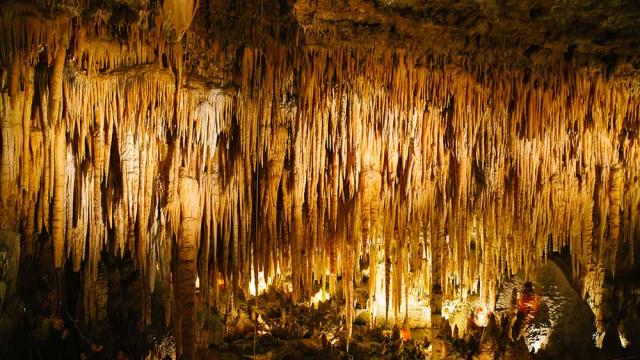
[235,139]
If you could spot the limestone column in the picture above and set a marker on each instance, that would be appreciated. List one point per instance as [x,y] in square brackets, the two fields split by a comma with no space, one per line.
[188,190]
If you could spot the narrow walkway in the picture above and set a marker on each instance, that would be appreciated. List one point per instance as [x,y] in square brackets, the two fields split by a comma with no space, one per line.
[564,322]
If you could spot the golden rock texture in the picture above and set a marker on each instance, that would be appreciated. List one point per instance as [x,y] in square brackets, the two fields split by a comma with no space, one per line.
[296,138]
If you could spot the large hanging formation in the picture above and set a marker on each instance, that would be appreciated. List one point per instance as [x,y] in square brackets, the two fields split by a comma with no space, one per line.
[309,162]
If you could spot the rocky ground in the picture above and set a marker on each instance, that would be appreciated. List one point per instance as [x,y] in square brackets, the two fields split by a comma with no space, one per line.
[561,328]
[274,328]
[564,320]
[285,331]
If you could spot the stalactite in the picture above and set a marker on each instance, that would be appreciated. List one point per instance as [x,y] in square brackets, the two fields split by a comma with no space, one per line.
[180,15]
[616,178]
[447,175]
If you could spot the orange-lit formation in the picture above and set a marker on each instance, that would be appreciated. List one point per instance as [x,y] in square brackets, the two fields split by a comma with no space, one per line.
[243,160]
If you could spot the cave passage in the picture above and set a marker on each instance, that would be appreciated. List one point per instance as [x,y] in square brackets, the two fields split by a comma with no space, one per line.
[319,179]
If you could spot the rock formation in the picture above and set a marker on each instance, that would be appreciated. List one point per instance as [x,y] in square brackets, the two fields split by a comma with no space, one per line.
[455,144]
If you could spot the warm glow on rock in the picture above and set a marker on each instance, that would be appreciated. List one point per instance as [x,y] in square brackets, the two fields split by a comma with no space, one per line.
[538,344]
[262,284]
[449,307]
[482,316]
[408,158]
[319,297]
[405,334]
[623,340]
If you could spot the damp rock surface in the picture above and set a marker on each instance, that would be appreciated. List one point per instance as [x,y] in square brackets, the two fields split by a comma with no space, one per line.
[563,322]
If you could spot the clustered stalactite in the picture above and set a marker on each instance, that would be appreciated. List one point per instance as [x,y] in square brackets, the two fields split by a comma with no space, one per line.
[451,177]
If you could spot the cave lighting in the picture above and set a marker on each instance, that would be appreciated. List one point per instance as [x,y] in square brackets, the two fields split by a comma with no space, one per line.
[417,154]
[538,343]
[481,317]
[321,296]
[262,284]
[623,340]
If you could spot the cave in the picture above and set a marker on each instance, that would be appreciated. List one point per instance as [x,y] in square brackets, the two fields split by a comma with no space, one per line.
[319,179]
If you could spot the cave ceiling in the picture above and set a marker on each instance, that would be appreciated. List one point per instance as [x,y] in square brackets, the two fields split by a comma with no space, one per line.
[548,30]
[454,142]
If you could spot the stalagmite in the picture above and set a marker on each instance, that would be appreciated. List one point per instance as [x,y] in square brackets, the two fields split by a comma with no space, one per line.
[58,212]
[9,165]
[187,255]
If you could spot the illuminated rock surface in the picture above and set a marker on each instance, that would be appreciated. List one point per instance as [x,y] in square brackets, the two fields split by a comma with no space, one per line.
[563,321]
[164,160]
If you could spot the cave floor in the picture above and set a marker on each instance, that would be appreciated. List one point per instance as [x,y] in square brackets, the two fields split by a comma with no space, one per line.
[563,327]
